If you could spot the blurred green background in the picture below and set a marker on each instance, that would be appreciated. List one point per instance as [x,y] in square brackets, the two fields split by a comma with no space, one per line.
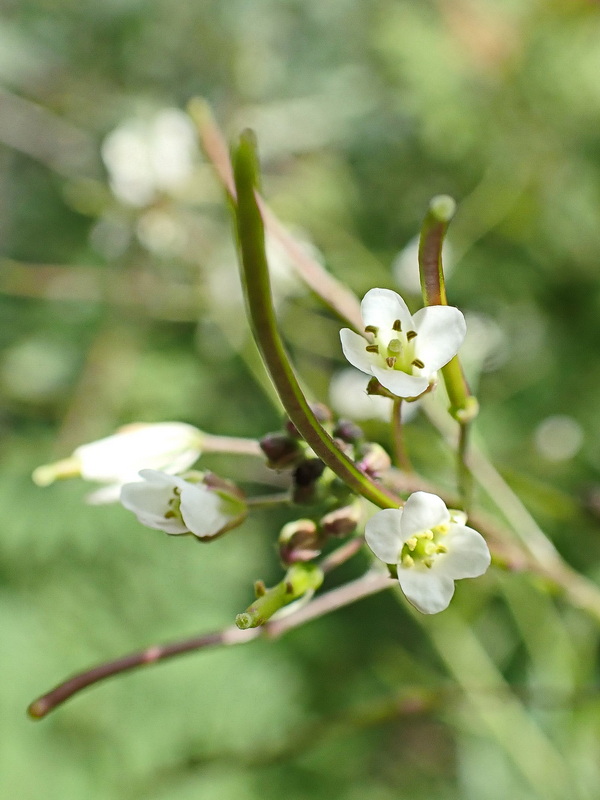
[119,302]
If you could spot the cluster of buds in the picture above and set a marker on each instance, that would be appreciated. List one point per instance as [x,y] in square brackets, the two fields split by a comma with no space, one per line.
[312,482]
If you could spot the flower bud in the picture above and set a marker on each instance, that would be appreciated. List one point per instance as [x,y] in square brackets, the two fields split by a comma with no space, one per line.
[342,521]
[348,431]
[306,481]
[299,541]
[281,450]
[373,459]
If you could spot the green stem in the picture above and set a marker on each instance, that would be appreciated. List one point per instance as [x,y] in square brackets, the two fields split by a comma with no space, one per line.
[255,275]
[465,476]
[400,454]
[463,405]
[268,500]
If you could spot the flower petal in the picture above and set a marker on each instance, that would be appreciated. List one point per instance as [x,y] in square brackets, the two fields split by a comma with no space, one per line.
[468,555]
[201,510]
[149,501]
[441,330]
[422,511]
[428,591]
[400,383]
[170,446]
[382,307]
[382,534]
[354,348]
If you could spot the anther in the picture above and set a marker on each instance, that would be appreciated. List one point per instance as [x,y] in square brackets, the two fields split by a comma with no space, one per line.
[372,348]
[411,335]
[417,363]
[411,543]
[397,326]
[408,561]
[390,361]
[372,329]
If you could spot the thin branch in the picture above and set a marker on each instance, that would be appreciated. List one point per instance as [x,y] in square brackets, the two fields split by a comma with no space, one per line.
[341,555]
[142,658]
[334,294]
[324,604]
[231,445]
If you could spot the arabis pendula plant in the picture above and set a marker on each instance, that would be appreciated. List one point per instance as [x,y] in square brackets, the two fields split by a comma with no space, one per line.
[172,504]
[403,351]
[168,446]
[430,546]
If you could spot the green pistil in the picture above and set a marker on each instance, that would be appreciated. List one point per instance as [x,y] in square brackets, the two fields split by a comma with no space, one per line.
[394,347]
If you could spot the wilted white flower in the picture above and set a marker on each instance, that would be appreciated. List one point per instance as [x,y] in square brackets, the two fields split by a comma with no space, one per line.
[403,351]
[174,505]
[431,547]
[169,446]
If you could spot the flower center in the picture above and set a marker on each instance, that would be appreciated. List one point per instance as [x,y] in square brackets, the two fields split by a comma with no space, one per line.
[174,505]
[422,548]
[395,347]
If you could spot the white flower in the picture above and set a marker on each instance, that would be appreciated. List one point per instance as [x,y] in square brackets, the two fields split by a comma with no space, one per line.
[403,351]
[174,505]
[431,547]
[169,446]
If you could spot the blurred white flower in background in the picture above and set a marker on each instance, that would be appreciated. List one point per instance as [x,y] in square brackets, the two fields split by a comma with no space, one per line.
[349,398]
[559,437]
[169,446]
[146,157]
[486,347]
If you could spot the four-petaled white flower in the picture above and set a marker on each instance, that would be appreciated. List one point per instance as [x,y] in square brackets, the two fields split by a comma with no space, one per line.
[401,350]
[174,505]
[168,446]
[431,547]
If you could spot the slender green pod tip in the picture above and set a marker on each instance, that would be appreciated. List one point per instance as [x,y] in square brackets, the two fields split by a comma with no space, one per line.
[442,208]
[433,232]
